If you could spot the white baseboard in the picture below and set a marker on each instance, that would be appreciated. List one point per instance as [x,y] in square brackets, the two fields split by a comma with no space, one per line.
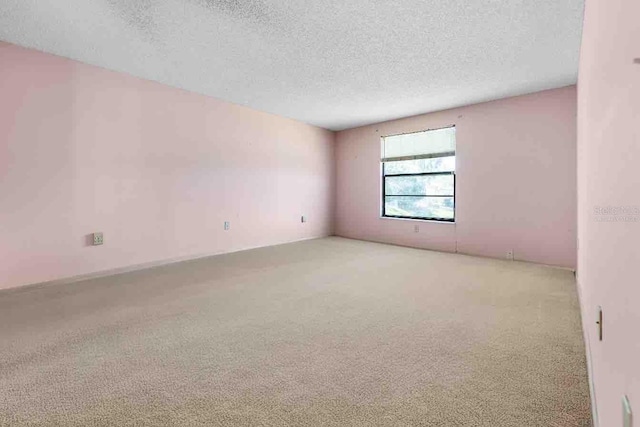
[143,266]
[559,267]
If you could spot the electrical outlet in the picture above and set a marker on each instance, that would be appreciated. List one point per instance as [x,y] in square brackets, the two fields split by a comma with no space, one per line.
[416,228]
[599,323]
[303,218]
[98,239]
[627,415]
[510,255]
[226,225]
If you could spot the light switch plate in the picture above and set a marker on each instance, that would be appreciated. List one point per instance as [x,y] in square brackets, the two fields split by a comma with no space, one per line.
[226,225]
[303,218]
[627,416]
[98,239]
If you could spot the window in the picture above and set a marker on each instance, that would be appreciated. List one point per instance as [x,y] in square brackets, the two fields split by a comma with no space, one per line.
[418,175]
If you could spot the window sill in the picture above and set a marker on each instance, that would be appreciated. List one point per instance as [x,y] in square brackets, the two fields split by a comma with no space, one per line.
[435,221]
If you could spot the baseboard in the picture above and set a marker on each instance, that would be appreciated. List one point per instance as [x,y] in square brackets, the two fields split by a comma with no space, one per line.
[559,267]
[587,345]
[143,266]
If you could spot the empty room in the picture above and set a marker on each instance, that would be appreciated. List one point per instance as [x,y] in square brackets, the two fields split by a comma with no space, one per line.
[336,213]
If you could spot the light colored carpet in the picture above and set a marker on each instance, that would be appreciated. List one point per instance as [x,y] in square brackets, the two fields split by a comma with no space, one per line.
[329,332]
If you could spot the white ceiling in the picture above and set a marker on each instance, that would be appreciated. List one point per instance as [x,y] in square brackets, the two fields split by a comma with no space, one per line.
[332,63]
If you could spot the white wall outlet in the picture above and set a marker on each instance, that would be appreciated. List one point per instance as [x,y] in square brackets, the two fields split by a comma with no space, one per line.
[510,255]
[98,239]
[600,323]
[416,228]
[226,225]
[627,416]
[303,218]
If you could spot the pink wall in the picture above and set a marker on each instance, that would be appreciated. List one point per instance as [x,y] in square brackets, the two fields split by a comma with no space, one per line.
[157,169]
[516,183]
[609,176]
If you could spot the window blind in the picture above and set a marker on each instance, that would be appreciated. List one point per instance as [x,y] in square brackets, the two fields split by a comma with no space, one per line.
[420,145]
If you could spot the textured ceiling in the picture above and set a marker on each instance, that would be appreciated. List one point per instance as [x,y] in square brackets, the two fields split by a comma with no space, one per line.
[332,63]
